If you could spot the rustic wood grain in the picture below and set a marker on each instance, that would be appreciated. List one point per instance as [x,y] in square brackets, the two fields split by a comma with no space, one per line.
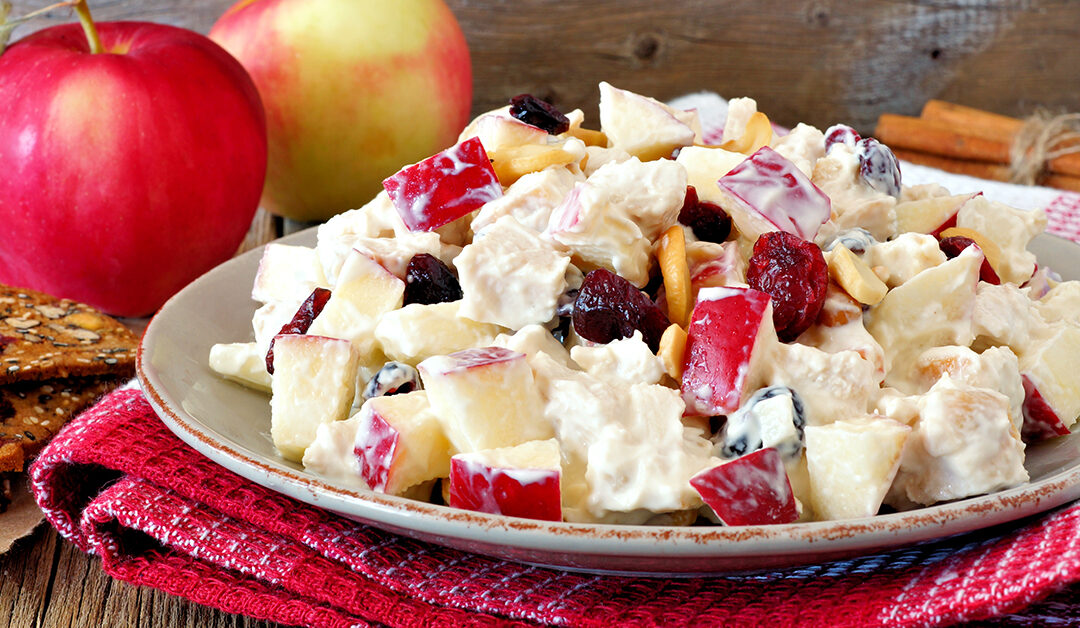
[46,581]
[816,61]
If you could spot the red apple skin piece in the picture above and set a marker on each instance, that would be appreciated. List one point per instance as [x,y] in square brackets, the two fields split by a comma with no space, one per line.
[774,188]
[353,91]
[720,343]
[126,175]
[476,486]
[376,456]
[1040,420]
[751,490]
[444,187]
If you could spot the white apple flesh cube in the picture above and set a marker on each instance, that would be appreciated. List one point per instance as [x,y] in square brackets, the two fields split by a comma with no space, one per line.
[520,481]
[287,273]
[750,490]
[314,383]
[1052,390]
[852,463]
[419,331]
[644,127]
[768,193]
[930,215]
[486,398]
[729,342]
[400,443]
[363,293]
[444,187]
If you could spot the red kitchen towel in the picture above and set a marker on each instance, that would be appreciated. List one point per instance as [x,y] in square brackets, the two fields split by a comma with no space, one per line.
[118,484]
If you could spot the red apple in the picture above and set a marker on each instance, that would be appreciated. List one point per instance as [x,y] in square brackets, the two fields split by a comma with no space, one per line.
[444,187]
[766,192]
[521,481]
[400,443]
[729,341]
[132,164]
[353,90]
[751,490]
[1040,420]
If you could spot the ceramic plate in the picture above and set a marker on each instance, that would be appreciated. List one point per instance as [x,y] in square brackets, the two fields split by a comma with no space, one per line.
[230,424]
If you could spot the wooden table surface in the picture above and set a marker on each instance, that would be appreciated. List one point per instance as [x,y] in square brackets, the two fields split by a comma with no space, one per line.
[46,581]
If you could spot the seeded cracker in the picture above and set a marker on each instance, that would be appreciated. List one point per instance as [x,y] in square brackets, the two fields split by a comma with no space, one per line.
[43,337]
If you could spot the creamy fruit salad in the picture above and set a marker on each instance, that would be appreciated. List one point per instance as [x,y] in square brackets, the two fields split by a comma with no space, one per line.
[627,325]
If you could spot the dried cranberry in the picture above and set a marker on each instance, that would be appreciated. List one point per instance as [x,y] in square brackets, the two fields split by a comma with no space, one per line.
[610,307]
[841,134]
[542,115]
[708,221]
[954,245]
[301,321]
[878,166]
[428,281]
[793,272]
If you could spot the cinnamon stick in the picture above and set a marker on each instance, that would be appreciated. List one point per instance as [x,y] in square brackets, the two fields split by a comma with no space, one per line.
[938,138]
[972,121]
[962,133]
[982,169]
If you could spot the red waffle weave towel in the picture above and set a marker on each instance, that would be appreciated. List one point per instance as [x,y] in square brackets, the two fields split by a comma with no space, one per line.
[118,484]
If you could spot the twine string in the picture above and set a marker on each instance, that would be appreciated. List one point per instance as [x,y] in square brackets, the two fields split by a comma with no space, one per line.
[1043,137]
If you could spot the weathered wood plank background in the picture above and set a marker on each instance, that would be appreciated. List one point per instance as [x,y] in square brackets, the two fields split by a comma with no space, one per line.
[818,61]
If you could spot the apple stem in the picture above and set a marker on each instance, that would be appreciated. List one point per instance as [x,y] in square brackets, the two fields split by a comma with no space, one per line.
[87,22]
[7,26]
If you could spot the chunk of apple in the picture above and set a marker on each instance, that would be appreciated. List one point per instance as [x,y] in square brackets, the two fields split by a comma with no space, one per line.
[852,463]
[768,193]
[287,273]
[930,215]
[749,490]
[520,481]
[444,187]
[419,331]
[646,128]
[485,398]
[729,344]
[363,293]
[1052,391]
[400,443]
[314,383]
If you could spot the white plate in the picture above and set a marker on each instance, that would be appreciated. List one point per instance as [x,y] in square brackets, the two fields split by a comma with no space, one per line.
[230,424]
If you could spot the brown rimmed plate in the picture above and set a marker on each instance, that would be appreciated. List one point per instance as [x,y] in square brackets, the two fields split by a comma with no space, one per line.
[230,424]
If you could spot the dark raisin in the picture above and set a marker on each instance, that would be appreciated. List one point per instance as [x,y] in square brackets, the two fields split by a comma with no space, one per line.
[394,378]
[708,221]
[856,240]
[542,115]
[878,166]
[301,321]
[428,281]
[954,245]
[793,272]
[610,307]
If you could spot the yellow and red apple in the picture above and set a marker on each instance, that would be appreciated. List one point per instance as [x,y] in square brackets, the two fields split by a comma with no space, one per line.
[353,90]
